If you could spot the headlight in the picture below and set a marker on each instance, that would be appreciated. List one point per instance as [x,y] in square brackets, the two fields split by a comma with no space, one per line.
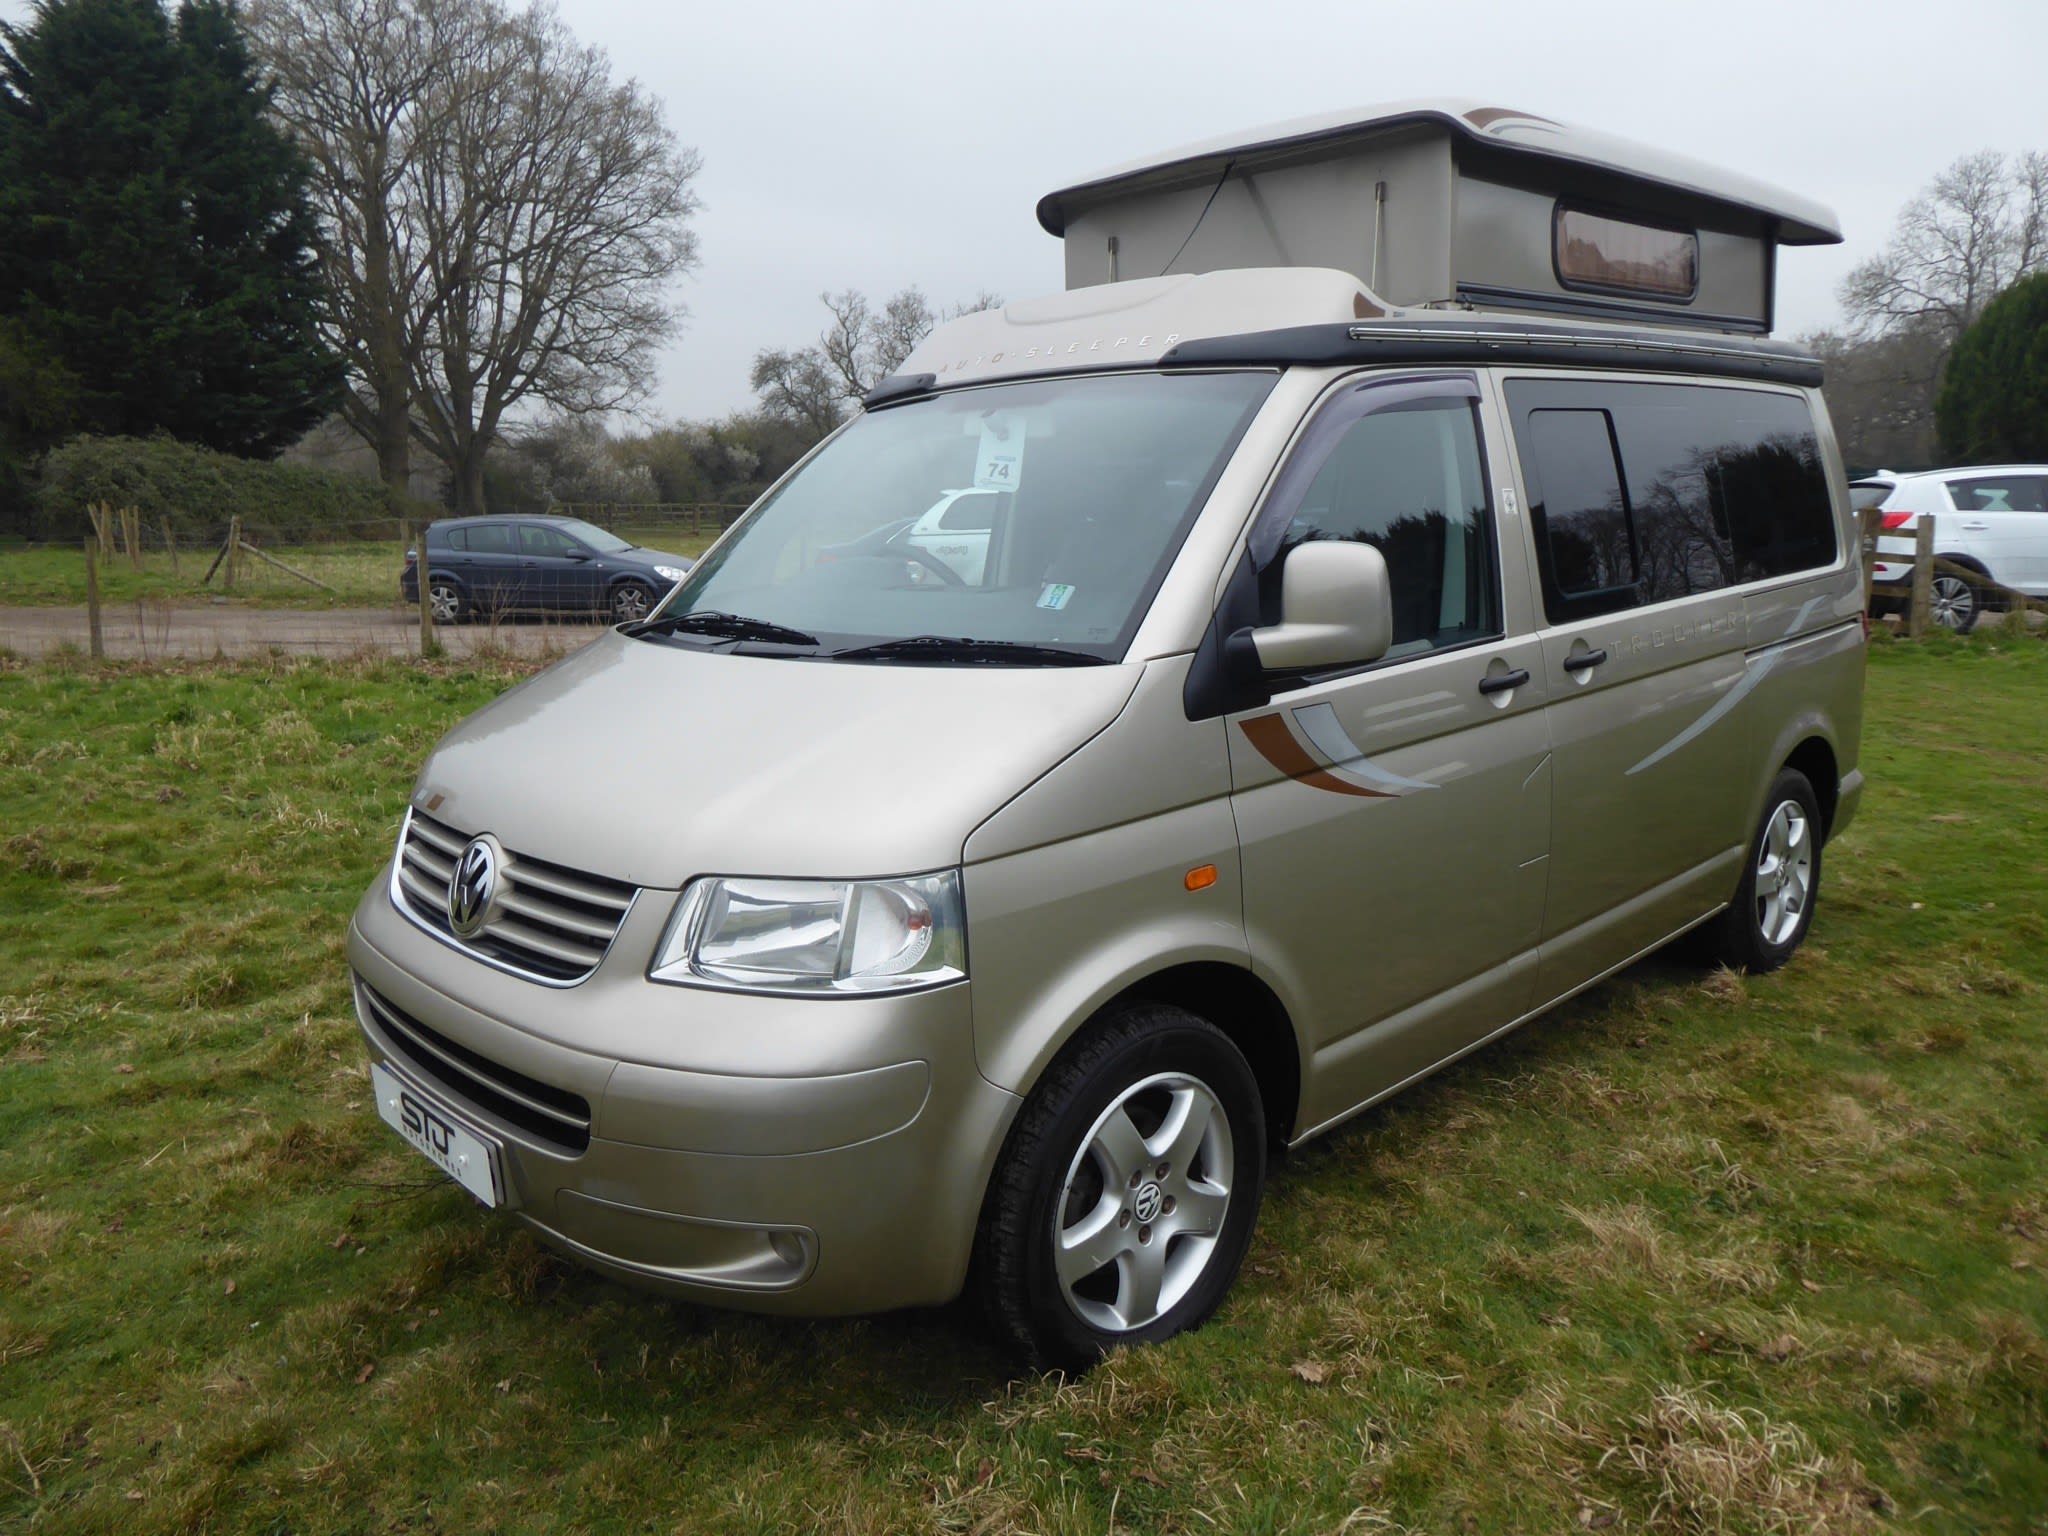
[671,572]
[816,936]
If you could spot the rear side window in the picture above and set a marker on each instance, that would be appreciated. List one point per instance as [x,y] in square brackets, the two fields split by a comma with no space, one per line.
[490,539]
[452,538]
[2000,493]
[1641,493]
[1864,495]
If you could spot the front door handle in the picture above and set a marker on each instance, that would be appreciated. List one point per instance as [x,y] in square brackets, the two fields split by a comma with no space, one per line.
[1976,527]
[1585,659]
[1504,682]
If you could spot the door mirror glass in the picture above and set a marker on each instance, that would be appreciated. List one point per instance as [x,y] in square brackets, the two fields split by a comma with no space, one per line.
[1336,609]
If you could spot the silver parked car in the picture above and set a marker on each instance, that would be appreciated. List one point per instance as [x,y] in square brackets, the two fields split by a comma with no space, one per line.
[1336,684]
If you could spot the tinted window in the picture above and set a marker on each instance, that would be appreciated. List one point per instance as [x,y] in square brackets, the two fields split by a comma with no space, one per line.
[1610,255]
[974,514]
[455,538]
[1716,486]
[2000,493]
[1590,546]
[490,538]
[1409,482]
[1867,494]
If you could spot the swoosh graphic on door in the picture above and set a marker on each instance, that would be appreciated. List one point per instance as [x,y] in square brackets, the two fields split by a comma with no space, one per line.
[1335,764]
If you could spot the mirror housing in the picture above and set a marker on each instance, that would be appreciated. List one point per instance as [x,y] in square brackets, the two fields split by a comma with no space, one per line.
[1336,609]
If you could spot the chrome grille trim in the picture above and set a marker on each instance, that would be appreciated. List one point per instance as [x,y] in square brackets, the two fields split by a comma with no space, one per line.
[548,924]
[552,1116]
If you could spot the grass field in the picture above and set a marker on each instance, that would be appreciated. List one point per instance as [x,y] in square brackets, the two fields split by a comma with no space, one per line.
[1694,1254]
[362,574]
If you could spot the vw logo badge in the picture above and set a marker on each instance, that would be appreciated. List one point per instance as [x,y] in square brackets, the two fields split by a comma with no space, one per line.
[472,886]
[1151,1199]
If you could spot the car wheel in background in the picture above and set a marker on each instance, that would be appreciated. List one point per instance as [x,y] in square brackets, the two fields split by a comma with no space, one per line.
[1958,602]
[1773,907]
[630,602]
[447,602]
[1125,1195]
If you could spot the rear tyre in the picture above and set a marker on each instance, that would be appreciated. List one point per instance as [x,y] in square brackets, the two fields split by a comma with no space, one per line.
[447,602]
[1958,602]
[630,602]
[1774,905]
[1126,1192]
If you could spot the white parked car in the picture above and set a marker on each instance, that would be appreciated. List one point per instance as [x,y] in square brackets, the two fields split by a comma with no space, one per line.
[955,529]
[1989,518]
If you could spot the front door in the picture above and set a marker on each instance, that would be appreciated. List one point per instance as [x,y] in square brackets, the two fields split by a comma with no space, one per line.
[2003,520]
[1394,818]
[557,572]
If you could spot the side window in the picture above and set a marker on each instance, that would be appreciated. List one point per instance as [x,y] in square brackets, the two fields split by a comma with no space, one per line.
[1410,482]
[1588,542]
[490,539]
[536,540]
[969,514]
[2000,493]
[1699,487]
[457,538]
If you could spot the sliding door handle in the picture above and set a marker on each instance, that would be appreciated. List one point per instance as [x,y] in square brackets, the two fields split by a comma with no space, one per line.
[1504,682]
[1584,659]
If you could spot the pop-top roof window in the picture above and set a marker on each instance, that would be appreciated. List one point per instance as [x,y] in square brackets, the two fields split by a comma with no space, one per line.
[1600,253]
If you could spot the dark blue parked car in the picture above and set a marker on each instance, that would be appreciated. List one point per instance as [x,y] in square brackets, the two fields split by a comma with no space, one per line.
[498,565]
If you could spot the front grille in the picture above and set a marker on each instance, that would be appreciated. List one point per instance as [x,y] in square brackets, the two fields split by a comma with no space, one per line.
[548,922]
[552,1116]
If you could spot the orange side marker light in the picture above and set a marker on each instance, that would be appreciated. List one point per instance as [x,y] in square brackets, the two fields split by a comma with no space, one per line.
[1201,877]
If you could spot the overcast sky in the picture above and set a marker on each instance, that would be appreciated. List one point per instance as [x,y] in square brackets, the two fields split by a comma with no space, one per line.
[875,146]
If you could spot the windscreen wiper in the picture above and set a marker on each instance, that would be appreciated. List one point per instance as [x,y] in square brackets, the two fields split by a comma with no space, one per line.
[728,626]
[944,648]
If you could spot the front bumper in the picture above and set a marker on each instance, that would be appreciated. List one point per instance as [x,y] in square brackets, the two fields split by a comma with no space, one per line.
[804,1155]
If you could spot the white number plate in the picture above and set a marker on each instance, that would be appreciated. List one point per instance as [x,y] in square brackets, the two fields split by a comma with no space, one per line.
[466,1156]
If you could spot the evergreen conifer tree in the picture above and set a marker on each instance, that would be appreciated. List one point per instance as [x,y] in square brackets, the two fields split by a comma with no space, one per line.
[156,243]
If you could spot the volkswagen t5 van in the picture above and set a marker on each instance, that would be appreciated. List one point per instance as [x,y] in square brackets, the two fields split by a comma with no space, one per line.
[1409,587]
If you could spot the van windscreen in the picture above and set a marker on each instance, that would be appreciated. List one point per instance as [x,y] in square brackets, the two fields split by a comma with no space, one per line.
[1036,514]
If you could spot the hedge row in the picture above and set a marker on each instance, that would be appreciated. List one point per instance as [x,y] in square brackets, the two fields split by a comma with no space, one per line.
[197,489]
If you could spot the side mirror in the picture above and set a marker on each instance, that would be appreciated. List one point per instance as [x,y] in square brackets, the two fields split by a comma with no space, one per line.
[1336,609]
[577,554]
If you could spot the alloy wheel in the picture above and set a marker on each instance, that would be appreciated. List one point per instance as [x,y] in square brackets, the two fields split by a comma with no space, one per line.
[1144,1202]
[1955,602]
[1784,873]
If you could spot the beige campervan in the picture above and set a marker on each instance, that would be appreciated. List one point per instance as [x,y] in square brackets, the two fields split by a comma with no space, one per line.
[1401,586]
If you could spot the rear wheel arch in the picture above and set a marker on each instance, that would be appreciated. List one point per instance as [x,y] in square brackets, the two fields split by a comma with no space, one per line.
[1815,758]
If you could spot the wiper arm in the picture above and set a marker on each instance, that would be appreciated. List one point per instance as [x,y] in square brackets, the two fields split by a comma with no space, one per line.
[940,648]
[730,626]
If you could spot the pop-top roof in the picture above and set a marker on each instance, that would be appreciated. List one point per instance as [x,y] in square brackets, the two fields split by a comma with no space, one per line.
[1800,220]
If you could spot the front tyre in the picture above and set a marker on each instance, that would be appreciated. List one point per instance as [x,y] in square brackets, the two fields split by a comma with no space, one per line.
[1773,907]
[1126,1193]
[630,602]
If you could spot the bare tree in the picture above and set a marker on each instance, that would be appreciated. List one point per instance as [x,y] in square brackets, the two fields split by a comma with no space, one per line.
[508,217]
[812,385]
[1977,227]
[800,388]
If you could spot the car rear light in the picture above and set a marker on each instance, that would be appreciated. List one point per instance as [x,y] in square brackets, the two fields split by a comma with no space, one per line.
[1897,519]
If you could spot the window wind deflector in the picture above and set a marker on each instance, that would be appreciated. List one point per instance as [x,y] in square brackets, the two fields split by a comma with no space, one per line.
[726,626]
[960,648]
[1429,392]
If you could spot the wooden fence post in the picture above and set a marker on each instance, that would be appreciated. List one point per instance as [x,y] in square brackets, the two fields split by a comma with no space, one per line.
[1922,612]
[427,642]
[1870,522]
[131,523]
[227,581]
[92,598]
[171,544]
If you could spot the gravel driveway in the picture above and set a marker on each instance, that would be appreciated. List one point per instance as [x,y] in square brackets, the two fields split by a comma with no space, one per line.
[153,628]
